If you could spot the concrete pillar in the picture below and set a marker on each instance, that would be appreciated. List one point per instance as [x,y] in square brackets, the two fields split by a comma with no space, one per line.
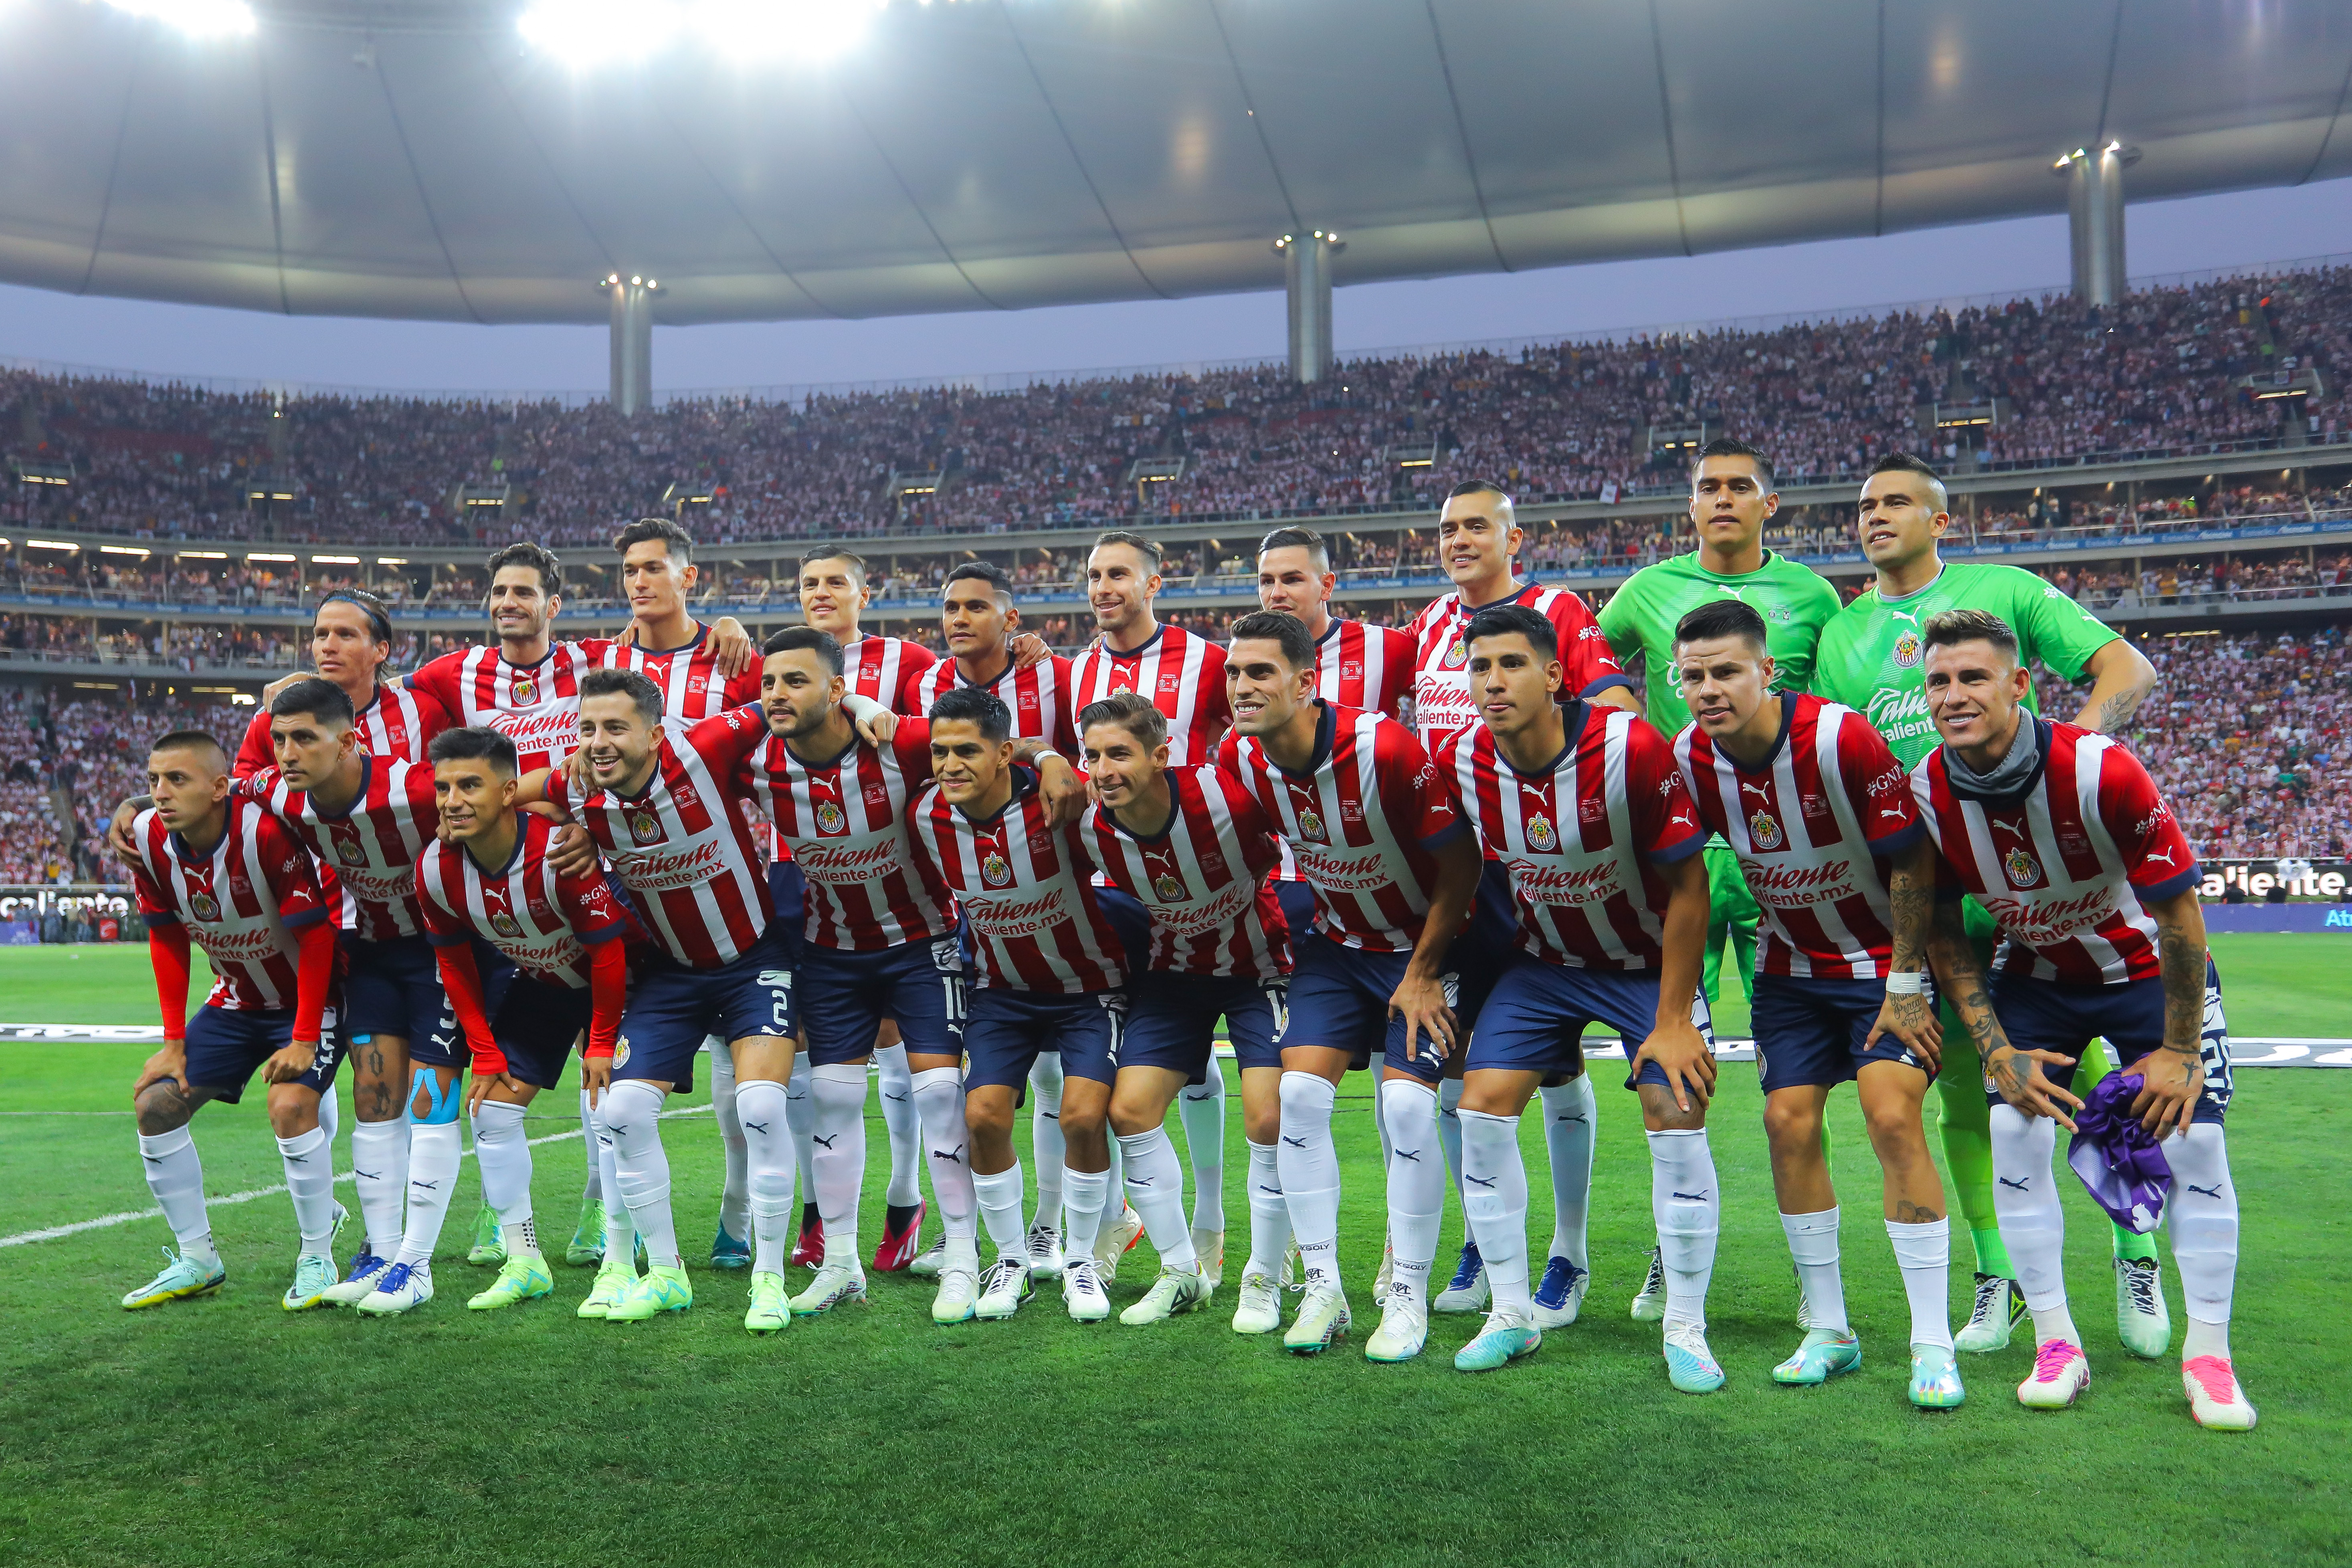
[1306,261]
[632,340]
[2095,208]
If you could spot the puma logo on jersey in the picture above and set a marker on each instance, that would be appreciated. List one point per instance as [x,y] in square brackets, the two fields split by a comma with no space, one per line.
[1759,791]
[1890,811]
[2166,856]
[1902,616]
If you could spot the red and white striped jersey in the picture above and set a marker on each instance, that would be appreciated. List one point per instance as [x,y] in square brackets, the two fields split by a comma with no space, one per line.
[1361,822]
[544,922]
[683,846]
[1813,825]
[395,724]
[888,669]
[1024,890]
[691,686]
[1183,675]
[1364,667]
[1038,698]
[372,848]
[844,822]
[2070,868]
[1203,877]
[242,903]
[1583,839]
[536,705]
[1441,679]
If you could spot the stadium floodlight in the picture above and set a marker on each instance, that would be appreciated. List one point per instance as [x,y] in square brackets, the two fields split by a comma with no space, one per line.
[200,18]
[590,33]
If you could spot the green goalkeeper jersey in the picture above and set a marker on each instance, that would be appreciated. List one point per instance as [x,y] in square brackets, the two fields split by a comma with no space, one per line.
[1872,653]
[1640,618]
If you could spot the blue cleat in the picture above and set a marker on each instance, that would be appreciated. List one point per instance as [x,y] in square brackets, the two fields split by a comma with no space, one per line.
[730,1252]
[1934,1379]
[1690,1365]
[1498,1344]
[1823,1356]
[1562,1294]
[1466,1291]
[366,1274]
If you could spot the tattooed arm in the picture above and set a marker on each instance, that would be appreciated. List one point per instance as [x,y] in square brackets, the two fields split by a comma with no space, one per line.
[1911,1018]
[2121,679]
[2015,1075]
[2173,1072]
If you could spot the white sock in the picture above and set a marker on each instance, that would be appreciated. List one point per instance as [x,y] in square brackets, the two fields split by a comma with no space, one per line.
[764,1107]
[380,1173]
[939,1097]
[620,1230]
[503,1151]
[1115,1176]
[1569,1117]
[1269,1214]
[632,1110]
[2026,1199]
[1449,1130]
[735,1192]
[1923,1253]
[433,1148]
[1494,1201]
[837,1089]
[2203,1214]
[331,1114]
[1688,1208]
[310,1177]
[1155,1183]
[800,1114]
[1310,1167]
[1416,1181]
[904,1126]
[1813,1244]
[176,1177]
[1046,1145]
[1000,1210]
[1083,1193]
[594,1192]
[1200,1107]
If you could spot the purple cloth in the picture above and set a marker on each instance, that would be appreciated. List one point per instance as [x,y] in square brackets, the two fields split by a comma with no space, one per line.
[2118,1161]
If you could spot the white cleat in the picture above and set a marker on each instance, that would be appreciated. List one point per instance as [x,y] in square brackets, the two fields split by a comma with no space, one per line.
[2215,1400]
[834,1283]
[2142,1320]
[1176,1291]
[1404,1329]
[1001,1291]
[1466,1291]
[1209,1247]
[367,1273]
[1996,1311]
[1559,1296]
[1322,1318]
[959,1275]
[1045,1259]
[402,1287]
[1112,1242]
[1259,1308]
[2061,1373]
[1650,1302]
[925,1264]
[1294,1269]
[1083,1293]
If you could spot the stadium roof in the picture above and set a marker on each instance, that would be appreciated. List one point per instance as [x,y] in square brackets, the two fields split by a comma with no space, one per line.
[425,160]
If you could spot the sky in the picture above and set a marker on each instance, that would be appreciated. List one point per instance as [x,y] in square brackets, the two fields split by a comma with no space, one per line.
[2238,229]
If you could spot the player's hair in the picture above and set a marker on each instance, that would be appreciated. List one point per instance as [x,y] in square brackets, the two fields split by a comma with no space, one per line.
[1721,619]
[1481,487]
[1305,539]
[1912,463]
[1948,628]
[314,699]
[474,743]
[813,556]
[988,571]
[627,683]
[1515,621]
[1282,629]
[194,740]
[793,639]
[1130,708]
[378,620]
[971,705]
[1149,549]
[1730,447]
[538,557]
[675,539]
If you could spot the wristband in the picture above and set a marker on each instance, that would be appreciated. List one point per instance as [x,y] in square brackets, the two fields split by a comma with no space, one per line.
[1906,982]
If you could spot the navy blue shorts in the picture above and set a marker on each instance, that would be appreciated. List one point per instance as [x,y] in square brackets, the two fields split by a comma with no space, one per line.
[1339,1000]
[788,891]
[394,988]
[1131,921]
[1811,1032]
[845,996]
[1298,901]
[535,1023]
[227,1045]
[1008,1028]
[1539,1011]
[2045,1015]
[1172,1021]
[673,1008]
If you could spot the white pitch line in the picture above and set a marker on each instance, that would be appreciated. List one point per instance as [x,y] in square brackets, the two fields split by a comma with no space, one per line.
[105,1221]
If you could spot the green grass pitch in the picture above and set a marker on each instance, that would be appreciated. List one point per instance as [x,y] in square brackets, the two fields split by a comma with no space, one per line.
[223,1431]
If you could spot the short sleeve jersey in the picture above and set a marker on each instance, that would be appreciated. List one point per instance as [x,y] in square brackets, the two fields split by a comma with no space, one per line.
[539,919]
[1025,891]
[1183,674]
[1440,681]
[1639,621]
[1203,877]
[844,821]
[242,903]
[691,686]
[890,671]
[372,847]
[536,705]
[1038,698]
[396,723]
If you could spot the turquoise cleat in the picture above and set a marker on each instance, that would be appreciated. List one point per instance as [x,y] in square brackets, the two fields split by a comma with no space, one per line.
[182,1277]
[730,1251]
[1498,1345]
[1823,1356]
[1936,1379]
[1690,1365]
[314,1275]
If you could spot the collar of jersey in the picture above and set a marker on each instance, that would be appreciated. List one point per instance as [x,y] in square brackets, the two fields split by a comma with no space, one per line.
[700,632]
[1025,783]
[1727,576]
[552,646]
[962,680]
[1326,727]
[1772,753]
[1517,588]
[514,856]
[1139,650]
[1573,716]
[1942,566]
[833,761]
[367,771]
[2043,734]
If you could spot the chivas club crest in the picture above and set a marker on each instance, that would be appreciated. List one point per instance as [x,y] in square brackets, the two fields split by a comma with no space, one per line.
[644,827]
[1541,835]
[1170,887]
[524,691]
[1456,653]
[505,924]
[348,850]
[2023,869]
[1906,651]
[204,906]
[828,817]
[1311,826]
[994,871]
[1763,831]
[621,1052]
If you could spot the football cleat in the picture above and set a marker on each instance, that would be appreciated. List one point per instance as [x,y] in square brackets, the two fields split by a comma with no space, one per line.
[1258,1310]
[1936,1379]
[1466,1291]
[1650,1300]
[1387,1275]
[1690,1365]
[834,1283]
[1997,1309]
[771,1311]
[1499,1343]
[1082,1291]
[489,1247]
[612,1282]
[2142,1320]
[587,1243]
[523,1278]
[1322,1318]
[808,1251]
[657,1290]
[1823,1355]
[730,1252]
[1294,1269]
[313,1274]
[1045,1257]
[1209,1247]
[404,1285]
[359,1284]
[1560,1296]
[1112,1242]
[1177,1290]
[182,1277]
[1002,1289]
[959,1289]
[2215,1400]
[925,1264]
[902,1234]
[2061,1373]
[1404,1329]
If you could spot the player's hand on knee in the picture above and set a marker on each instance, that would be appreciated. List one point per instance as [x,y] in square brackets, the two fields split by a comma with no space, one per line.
[2169,1082]
[2017,1077]
[1681,1055]
[479,1089]
[596,1077]
[1421,1005]
[171,1062]
[1911,1020]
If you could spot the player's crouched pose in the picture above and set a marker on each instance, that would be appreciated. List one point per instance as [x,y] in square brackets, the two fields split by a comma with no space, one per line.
[2060,834]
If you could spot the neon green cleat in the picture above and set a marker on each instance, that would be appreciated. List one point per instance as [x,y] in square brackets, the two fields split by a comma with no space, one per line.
[312,1275]
[1936,1379]
[612,1281]
[656,1292]
[523,1278]
[489,1248]
[772,1309]
[182,1279]
[587,1244]
[1822,1356]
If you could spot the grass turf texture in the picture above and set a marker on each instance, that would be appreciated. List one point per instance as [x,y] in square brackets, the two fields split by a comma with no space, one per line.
[224,1430]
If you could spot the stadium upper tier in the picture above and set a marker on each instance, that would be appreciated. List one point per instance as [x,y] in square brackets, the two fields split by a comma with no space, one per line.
[2217,375]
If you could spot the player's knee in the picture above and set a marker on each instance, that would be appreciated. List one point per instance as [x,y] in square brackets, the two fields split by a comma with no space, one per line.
[437,1099]
[161,1108]
[1131,1115]
[988,1118]
[1893,1124]
[1790,1125]
[292,1114]
[1660,1114]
